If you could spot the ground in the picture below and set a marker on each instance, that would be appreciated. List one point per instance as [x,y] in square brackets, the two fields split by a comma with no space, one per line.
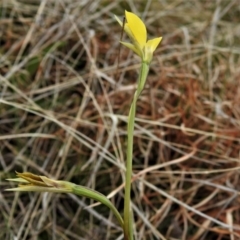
[65,92]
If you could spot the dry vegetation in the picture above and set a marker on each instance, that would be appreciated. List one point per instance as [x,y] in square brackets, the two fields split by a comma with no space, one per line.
[63,114]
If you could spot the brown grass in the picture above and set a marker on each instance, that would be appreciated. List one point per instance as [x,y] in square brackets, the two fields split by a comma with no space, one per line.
[63,114]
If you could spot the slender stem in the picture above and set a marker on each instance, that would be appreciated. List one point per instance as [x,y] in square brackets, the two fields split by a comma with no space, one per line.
[128,231]
[89,193]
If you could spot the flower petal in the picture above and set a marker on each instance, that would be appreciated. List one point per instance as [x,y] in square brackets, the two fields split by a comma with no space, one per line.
[153,43]
[119,21]
[126,28]
[137,28]
[19,180]
[132,47]
[150,47]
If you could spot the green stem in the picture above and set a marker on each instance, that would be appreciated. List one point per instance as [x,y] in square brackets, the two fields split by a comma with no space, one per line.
[89,193]
[128,226]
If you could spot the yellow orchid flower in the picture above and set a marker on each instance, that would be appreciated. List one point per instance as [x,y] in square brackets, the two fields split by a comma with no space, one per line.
[136,30]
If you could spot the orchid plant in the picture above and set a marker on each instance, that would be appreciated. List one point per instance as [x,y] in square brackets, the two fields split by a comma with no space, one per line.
[136,30]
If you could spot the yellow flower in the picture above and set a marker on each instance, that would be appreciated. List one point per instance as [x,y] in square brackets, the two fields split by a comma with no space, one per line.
[136,30]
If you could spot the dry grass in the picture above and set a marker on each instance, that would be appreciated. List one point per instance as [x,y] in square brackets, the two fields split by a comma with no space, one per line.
[63,114]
